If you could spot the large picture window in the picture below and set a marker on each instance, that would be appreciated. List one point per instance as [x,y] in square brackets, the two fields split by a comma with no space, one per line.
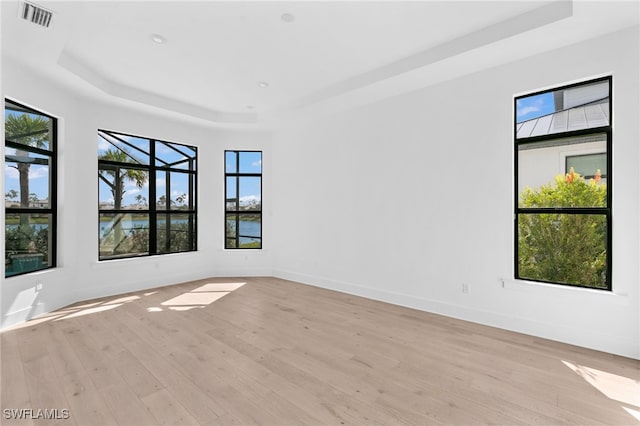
[563,140]
[147,196]
[30,189]
[243,199]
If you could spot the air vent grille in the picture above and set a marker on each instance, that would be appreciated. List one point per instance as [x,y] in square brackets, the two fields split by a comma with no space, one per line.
[36,14]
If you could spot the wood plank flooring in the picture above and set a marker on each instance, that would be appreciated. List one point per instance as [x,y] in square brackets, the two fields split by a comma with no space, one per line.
[273,352]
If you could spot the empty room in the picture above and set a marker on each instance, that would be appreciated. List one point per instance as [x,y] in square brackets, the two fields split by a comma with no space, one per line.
[320,213]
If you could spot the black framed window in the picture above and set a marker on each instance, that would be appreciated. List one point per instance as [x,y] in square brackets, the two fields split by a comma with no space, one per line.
[30,143]
[147,196]
[243,199]
[563,142]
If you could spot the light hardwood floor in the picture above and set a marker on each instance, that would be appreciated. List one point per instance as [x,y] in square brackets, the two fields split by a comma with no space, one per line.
[274,352]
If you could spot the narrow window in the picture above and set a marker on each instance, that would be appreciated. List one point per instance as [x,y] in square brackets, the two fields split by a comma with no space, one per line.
[147,202]
[243,199]
[563,140]
[30,189]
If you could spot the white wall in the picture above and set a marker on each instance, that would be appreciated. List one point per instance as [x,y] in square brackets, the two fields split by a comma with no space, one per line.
[407,199]
[79,276]
[404,200]
[540,166]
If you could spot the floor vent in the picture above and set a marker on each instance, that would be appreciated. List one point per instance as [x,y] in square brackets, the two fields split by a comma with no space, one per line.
[35,14]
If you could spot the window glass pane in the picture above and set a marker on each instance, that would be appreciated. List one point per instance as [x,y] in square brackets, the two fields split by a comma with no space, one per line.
[28,242]
[543,181]
[231,226]
[250,193]
[230,162]
[245,242]
[563,248]
[588,165]
[573,108]
[27,127]
[122,188]
[175,156]
[123,235]
[27,179]
[123,148]
[250,225]
[161,190]
[250,162]
[180,190]
[175,233]
[231,196]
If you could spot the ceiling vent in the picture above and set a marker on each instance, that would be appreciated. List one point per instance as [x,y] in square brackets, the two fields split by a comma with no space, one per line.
[35,14]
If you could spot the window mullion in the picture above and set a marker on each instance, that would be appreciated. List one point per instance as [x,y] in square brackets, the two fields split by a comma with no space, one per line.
[153,215]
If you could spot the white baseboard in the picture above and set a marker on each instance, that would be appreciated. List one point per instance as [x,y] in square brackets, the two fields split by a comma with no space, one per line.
[618,345]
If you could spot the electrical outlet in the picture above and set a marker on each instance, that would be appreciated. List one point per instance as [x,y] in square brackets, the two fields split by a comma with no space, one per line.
[465,288]
[38,285]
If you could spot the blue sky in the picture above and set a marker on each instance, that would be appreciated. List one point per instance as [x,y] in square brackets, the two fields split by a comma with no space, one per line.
[38,174]
[179,181]
[250,162]
[38,178]
[250,187]
[534,106]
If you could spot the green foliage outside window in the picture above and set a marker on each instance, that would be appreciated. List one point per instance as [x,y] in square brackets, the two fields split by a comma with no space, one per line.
[564,248]
[26,239]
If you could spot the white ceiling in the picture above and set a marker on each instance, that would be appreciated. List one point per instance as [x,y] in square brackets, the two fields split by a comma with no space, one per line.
[332,55]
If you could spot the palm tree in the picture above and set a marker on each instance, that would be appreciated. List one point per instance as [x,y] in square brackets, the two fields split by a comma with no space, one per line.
[30,131]
[141,199]
[181,198]
[12,194]
[115,176]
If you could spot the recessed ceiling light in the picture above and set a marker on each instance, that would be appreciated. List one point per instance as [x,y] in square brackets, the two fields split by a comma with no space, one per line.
[157,38]
[287,17]
[263,84]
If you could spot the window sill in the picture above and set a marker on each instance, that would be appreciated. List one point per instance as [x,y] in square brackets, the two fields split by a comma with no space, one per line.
[516,283]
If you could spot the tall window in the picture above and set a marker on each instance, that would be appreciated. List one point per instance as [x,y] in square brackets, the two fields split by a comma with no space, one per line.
[563,141]
[147,196]
[243,199]
[30,189]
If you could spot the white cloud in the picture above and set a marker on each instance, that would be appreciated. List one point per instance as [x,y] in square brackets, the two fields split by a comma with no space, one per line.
[257,163]
[11,172]
[534,107]
[527,110]
[249,199]
[34,172]
[38,172]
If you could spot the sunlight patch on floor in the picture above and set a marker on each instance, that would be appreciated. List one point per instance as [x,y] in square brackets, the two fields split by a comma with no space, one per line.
[198,297]
[613,386]
[123,300]
[632,412]
[191,299]
[89,311]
